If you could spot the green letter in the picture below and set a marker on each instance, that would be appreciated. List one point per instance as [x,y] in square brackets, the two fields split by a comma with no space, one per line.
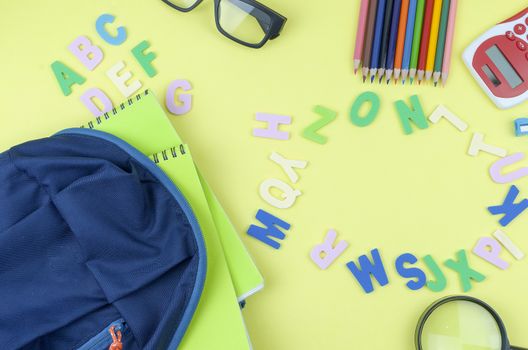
[465,272]
[145,59]
[408,115]
[311,131]
[358,103]
[440,283]
[66,77]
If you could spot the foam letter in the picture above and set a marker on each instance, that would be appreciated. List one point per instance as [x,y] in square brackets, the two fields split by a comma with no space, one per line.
[477,145]
[367,269]
[120,80]
[496,168]
[441,282]
[508,244]
[465,273]
[374,100]
[264,234]
[510,209]
[66,77]
[87,99]
[274,121]
[145,59]
[287,165]
[185,99]
[413,272]
[442,111]
[489,249]
[324,254]
[118,39]
[408,115]
[310,132]
[90,55]
[289,195]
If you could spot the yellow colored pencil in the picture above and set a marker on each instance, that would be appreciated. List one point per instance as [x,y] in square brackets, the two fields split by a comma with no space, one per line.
[433,39]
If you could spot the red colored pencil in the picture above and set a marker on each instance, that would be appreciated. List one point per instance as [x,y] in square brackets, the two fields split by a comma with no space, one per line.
[426,32]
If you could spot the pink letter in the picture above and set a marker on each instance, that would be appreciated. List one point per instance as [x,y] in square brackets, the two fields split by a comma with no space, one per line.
[90,55]
[272,132]
[324,254]
[185,99]
[495,169]
[87,99]
[489,249]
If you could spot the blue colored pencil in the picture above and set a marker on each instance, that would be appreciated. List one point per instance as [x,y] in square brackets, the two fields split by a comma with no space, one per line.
[389,66]
[385,38]
[378,31]
[408,39]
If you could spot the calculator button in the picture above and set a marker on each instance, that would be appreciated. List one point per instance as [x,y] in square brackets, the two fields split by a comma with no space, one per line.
[526,20]
[520,45]
[510,35]
[519,29]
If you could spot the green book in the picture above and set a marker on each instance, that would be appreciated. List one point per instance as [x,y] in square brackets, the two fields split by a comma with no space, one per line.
[217,323]
[142,122]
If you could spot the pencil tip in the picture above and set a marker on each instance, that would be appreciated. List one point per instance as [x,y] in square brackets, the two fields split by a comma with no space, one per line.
[435,83]
[371,79]
[364,78]
[403,81]
[411,81]
[355,71]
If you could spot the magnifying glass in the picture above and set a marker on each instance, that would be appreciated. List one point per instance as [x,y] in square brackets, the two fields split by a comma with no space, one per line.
[461,323]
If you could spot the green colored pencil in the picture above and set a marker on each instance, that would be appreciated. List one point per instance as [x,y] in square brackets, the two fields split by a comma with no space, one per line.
[441,42]
[418,22]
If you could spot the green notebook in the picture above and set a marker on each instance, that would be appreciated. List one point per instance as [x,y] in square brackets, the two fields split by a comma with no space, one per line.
[217,323]
[142,122]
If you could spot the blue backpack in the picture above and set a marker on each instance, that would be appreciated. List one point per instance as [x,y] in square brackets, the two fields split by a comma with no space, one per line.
[98,248]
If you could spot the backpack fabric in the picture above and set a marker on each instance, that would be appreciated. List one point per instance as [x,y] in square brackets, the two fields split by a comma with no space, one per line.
[93,236]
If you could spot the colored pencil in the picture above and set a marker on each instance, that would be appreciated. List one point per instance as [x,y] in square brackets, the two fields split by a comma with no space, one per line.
[408,40]
[392,40]
[360,33]
[369,33]
[433,39]
[376,45]
[401,38]
[416,38]
[424,43]
[449,40]
[440,47]
[385,38]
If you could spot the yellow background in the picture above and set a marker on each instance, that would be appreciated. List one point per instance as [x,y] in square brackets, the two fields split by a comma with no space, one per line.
[376,186]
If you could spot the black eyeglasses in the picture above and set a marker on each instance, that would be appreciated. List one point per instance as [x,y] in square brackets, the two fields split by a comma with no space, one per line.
[461,322]
[247,22]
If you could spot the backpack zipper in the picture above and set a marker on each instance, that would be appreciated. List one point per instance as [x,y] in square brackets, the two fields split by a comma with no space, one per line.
[110,338]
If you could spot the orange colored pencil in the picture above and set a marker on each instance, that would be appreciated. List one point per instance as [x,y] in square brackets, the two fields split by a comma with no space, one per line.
[400,43]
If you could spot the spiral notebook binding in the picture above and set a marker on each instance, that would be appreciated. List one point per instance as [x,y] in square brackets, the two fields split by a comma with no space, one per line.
[114,111]
[169,153]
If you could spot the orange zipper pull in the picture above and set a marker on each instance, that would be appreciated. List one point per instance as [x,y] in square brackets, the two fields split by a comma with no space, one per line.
[116,337]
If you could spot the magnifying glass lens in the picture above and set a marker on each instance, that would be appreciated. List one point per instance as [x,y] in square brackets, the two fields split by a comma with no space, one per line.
[461,325]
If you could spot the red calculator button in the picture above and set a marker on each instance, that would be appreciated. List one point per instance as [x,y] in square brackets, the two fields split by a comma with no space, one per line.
[519,29]
[526,21]
[510,35]
[520,45]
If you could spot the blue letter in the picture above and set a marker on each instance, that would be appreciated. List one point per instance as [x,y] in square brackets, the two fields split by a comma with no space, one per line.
[368,268]
[262,234]
[103,33]
[509,208]
[412,272]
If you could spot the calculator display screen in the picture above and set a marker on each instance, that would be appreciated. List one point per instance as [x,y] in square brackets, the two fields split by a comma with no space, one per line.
[501,62]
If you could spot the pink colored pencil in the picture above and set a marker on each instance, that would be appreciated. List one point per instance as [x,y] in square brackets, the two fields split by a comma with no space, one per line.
[360,34]
[449,40]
